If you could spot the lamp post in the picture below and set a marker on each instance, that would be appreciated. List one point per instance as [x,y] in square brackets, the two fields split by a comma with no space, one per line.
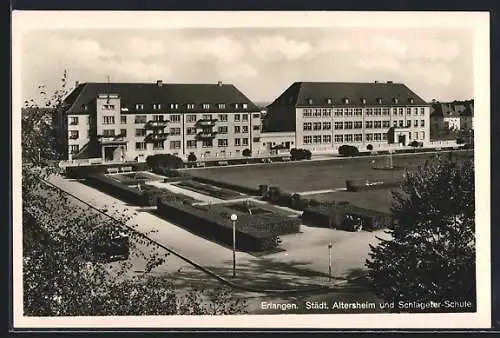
[234,218]
[330,261]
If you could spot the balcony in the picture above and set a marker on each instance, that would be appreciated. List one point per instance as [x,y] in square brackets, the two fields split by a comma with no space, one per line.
[156,124]
[111,139]
[156,137]
[206,122]
[206,135]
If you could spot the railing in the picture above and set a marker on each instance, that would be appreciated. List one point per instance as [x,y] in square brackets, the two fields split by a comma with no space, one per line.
[205,135]
[206,122]
[156,137]
[156,124]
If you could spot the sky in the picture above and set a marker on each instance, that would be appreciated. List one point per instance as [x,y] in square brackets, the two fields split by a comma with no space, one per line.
[435,63]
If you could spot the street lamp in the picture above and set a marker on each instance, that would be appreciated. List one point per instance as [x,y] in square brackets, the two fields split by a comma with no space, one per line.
[330,261]
[234,218]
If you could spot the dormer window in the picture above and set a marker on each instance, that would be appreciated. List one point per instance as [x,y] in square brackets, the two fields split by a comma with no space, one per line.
[410,100]
[85,107]
[139,106]
[379,100]
[363,100]
[156,106]
[245,106]
[174,106]
[310,101]
[329,101]
[206,106]
[346,100]
[222,106]
[395,100]
[190,106]
[236,105]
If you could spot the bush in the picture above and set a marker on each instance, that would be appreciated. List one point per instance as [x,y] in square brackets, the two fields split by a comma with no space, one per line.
[168,161]
[300,154]
[361,186]
[369,147]
[348,150]
[253,233]
[414,144]
[192,157]
[334,216]
[230,186]
[246,152]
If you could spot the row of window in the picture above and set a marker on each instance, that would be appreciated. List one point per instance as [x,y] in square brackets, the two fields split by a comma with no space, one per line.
[327,112]
[316,139]
[359,124]
[158,106]
[190,144]
[346,100]
[173,118]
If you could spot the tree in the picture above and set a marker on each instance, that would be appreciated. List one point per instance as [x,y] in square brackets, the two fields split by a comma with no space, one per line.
[431,253]
[247,152]
[59,232]
[192,157]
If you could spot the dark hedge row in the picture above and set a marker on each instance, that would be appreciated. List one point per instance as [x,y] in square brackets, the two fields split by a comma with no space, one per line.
[214,226]
[85,171]
[209,190]
[360,186]
[230,186]
[334,216]
[147,197]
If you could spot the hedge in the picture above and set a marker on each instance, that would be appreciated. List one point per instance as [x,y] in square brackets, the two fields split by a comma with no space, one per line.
[85,171]
[148,197]
[208,190]
[332,216]
[230,186]
[213,226]
[359,186]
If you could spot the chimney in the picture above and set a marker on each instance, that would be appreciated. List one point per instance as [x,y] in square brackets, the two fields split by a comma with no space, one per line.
[389,82]
[219,83]
[159,83]
[376,81]
[77,84]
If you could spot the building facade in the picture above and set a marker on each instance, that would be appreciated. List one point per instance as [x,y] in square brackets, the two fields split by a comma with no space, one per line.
[130,121]
[326,115]
[452,116]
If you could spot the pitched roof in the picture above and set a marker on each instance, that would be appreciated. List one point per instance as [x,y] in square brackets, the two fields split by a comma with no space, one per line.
[452,109]
[334,93]
[165,94]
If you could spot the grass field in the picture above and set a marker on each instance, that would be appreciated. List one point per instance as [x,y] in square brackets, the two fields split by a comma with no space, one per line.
[316,175]
[379,200]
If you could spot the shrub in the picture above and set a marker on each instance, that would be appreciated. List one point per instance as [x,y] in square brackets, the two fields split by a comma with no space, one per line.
[192,157]
[300,154]
[168,161]
[348,150]
[414,144]
[246,152]
[253,233]
[369,147]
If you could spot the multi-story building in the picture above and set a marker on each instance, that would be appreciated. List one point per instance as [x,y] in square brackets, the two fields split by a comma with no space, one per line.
[326,115]
[452,116]
[130,121]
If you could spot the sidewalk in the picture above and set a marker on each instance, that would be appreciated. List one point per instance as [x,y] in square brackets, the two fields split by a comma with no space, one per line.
[298,267]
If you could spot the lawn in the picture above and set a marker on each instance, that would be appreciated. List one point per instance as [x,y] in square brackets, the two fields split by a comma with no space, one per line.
[315,175]
[378,200]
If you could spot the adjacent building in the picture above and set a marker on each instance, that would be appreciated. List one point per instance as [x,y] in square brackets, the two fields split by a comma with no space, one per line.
[452,116]
[130,121]
[325,115]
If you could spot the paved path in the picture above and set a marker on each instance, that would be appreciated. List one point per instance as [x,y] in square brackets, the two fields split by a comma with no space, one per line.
[300,266]
[187,192]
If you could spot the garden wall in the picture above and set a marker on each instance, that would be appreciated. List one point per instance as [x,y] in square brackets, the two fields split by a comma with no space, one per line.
[85,171]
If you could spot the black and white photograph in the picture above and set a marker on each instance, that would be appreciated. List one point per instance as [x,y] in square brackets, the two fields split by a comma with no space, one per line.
[251,169]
